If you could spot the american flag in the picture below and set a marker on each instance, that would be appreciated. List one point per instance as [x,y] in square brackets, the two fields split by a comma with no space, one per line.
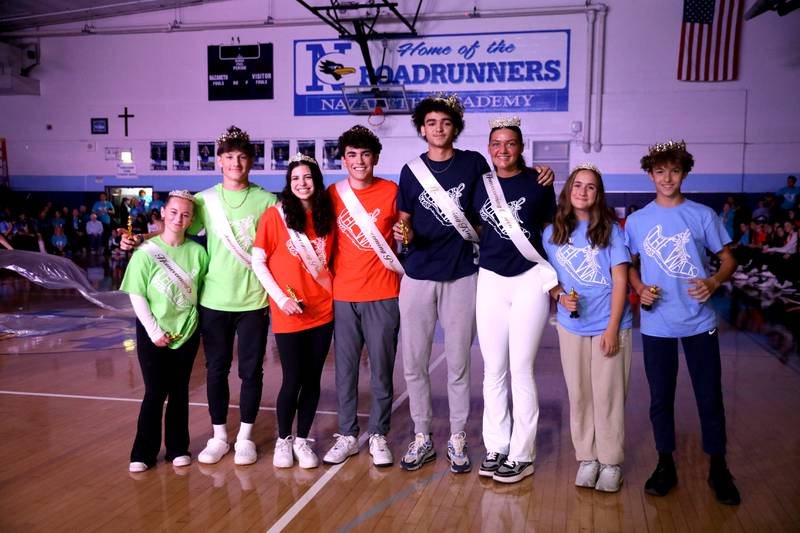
[709,49]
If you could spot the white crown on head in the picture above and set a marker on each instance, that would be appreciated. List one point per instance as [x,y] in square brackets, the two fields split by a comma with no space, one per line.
[505,122]
[301,157]
[182,193]
[587,166]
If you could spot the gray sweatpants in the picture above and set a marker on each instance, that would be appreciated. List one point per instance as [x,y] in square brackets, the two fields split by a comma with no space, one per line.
[355,324]
[422,302]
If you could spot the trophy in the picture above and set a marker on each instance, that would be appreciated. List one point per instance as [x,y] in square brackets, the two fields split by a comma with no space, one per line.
[404,244]
[573,314]
[653,290]
[130,227]
[294,297]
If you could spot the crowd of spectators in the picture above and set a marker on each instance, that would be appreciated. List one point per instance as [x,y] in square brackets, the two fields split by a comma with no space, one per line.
[78,230]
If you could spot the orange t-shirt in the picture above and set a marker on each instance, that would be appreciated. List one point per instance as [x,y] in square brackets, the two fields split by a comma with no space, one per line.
[359,275]
[289,270]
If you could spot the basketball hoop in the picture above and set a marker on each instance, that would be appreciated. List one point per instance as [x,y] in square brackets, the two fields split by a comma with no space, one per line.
[377,117]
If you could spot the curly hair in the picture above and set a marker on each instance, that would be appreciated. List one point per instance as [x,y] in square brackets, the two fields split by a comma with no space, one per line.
[359,137]
[430,105]
[601,217]
[671,155]
[236,139]
[321,205]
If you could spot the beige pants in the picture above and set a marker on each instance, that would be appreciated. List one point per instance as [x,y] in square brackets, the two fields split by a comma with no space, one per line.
[597,386]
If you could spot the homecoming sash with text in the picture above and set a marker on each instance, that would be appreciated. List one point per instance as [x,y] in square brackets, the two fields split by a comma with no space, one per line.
[448,207]
[174,273]
[223,228]
[512,228]
[307,254]
[368,227]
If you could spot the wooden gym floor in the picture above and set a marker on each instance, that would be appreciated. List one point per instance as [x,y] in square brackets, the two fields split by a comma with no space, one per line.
[69,402]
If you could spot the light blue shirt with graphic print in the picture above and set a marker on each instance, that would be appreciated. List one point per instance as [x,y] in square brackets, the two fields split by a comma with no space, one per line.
[671,243]
[588,271]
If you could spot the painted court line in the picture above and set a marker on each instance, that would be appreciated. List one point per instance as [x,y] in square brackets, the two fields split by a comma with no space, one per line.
[137,400]
[306,498]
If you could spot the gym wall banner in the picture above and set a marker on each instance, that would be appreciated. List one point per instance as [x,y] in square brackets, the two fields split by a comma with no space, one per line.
[492,72]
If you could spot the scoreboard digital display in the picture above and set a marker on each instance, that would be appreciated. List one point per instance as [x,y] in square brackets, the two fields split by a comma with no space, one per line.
[240,72]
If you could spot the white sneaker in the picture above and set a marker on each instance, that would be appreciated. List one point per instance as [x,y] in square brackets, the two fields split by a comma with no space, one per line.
[213,452]
[136,466]
[379,450]
[587,474]
[245,452]
[282,457]
[610,478]
[306,457]
[182,460]
[344,447]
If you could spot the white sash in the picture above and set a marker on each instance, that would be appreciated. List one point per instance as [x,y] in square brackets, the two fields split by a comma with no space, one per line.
[307,254]
[512,228]
[448,207]
[174,273]
[223,228]
[368,228]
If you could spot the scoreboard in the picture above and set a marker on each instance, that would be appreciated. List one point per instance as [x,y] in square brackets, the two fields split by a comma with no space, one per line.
[240,72]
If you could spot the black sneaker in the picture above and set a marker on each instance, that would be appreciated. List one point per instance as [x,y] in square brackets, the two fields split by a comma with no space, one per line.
[491,463]
[513,471]
[726,492]
[663,479]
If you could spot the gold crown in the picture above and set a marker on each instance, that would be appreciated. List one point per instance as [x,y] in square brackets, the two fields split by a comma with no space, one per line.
[669,145]
[182,193]
[232,134]
[505,122]
[450,100]
[298,157]
[587,166]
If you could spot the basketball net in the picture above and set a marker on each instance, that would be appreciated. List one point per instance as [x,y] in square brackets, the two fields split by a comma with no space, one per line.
[377,117]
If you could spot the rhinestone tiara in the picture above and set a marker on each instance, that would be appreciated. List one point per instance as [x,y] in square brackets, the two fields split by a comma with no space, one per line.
[450,100]
[233,133]
[300,157]
[669,145]
[182,193]
[587,166]
[358,128]
[505,122]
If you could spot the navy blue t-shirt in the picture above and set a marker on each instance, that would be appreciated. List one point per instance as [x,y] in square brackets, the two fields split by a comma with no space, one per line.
[533,206]
[438,252]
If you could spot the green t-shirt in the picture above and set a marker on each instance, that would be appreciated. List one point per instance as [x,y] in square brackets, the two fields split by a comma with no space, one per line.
[173,312]
[229,285]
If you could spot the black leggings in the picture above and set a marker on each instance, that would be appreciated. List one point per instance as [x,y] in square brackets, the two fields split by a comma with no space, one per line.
[166,374]
[302,356]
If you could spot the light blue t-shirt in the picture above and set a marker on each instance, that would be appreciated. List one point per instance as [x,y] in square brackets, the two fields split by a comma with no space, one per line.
[789,195]
[100,208]
[588,271]
[671,243]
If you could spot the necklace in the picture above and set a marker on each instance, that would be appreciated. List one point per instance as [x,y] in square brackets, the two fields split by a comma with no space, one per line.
[222,190]
[445,169]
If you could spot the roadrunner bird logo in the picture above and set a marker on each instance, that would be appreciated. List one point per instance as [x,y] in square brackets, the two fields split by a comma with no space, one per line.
[582,264]
[670,253]
[337,70]
[428,203]
[488,214]
[348,226]
[244,231]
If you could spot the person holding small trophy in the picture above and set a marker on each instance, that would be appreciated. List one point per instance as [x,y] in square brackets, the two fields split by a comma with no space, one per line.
[163,280]
[290,258]
[587,248]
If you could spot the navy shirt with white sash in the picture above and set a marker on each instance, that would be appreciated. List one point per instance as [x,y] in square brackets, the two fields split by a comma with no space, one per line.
[533,206]
[438,252]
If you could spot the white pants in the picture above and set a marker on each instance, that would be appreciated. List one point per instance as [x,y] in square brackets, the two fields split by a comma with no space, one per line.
[511,314]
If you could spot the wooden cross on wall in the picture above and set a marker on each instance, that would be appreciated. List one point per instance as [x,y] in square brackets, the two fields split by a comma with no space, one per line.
[126,116]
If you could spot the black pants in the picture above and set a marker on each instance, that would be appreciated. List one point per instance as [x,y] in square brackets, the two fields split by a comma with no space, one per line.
[219,329]
[166,374]
[705,370]
[302,356]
